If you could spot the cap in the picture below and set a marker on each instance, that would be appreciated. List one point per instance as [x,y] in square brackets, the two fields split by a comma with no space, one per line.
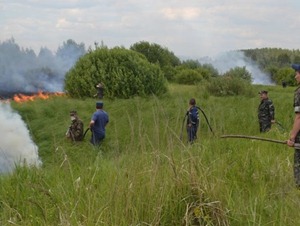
[192,101]
[99,104]
[296,67]
[99,85]
[263,92]
[73,112]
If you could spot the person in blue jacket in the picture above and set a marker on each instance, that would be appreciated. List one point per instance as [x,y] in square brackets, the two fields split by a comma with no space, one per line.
[192,120]
[98,123]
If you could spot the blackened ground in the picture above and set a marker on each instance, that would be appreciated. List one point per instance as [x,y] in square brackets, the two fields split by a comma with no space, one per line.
[10,94]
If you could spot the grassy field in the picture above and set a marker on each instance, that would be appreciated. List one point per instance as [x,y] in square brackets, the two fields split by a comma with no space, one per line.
[144,174]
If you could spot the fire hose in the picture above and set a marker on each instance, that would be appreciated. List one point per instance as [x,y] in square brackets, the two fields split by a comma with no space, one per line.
[296,145]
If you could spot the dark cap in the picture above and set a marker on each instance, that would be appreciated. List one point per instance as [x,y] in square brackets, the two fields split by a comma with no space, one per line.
[296,67]
[263,92]
[99,104]
[192,101]
[73,113]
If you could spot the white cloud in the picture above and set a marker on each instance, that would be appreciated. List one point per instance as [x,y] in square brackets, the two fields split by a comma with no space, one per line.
[181,13]
[190,28]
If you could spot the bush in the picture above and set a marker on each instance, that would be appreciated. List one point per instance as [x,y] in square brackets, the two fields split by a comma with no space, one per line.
[124,74]
[286,74]
[188,77]
[240,73]
[229,86]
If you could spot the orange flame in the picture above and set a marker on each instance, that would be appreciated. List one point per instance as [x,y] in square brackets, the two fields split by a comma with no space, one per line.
[19,98]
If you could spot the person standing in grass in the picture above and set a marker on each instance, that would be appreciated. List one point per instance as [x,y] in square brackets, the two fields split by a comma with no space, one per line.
[295,132]
[100,91]
[192,120]
[75,131]
[98,123]
[266,112]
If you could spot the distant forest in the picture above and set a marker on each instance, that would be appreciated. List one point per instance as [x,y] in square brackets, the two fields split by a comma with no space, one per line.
[276,62]
[21,70]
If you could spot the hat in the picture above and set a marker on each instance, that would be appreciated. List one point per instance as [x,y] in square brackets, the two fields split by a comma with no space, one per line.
[263,91]
[99,104]
[296,67]
[192,101]
[73,112]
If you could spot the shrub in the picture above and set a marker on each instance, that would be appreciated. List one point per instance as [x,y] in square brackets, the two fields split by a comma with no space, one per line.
[229,86]
[188,77]
[124,73]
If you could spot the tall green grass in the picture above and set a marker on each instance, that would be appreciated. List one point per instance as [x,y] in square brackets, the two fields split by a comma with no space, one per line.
[144,174]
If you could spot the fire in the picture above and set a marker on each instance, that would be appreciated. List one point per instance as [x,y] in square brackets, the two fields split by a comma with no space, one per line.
[19,98]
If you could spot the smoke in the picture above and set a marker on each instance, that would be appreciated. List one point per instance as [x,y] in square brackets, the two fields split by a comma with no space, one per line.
[16,145]
[22,71]
[225,61]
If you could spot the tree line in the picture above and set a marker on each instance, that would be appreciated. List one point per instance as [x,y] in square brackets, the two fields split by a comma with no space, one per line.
[144,69]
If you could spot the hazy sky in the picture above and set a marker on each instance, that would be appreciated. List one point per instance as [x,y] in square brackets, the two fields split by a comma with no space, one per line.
[189,28]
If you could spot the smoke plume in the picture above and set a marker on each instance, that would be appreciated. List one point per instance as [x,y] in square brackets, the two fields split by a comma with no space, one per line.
[22,71]
[16,146]
[226,61]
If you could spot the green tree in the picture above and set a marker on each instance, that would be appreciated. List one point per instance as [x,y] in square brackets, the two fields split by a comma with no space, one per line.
[188,77]
[283,59]
[192,64]
[297,59]
[239,72]
[156,53]
[229,86]
[71,48]
[286,74]
[123,72]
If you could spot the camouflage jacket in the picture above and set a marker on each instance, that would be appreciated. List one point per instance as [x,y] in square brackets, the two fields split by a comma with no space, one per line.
[266,111]
[75,131]
[297,107]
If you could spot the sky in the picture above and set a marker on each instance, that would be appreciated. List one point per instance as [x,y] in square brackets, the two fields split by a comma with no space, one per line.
[189,28]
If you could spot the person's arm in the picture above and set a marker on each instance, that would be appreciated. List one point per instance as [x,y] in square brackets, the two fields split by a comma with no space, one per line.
[272,112]
[295,130]
[92,122]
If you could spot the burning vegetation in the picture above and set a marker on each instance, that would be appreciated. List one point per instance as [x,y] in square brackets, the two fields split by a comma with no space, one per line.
[20,98]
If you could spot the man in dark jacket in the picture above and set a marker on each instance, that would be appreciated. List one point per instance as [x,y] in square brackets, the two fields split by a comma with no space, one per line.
[100,91]
[192,120]
[266,112]
[295,132]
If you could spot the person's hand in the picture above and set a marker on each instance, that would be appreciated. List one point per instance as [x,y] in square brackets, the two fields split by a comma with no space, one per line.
[290,143]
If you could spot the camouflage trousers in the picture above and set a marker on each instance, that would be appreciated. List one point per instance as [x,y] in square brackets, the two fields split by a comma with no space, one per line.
[264,126]
[297,167]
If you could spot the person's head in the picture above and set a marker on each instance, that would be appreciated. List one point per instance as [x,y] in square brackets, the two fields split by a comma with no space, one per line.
[99,85]
[296,67]
[99,105]
[73,115]
[192,102]
[263,94]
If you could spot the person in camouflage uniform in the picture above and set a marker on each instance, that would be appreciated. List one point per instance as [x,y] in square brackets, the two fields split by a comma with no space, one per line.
[266,112]
[295,132]
[75,131]
[100,91]
[192,120]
